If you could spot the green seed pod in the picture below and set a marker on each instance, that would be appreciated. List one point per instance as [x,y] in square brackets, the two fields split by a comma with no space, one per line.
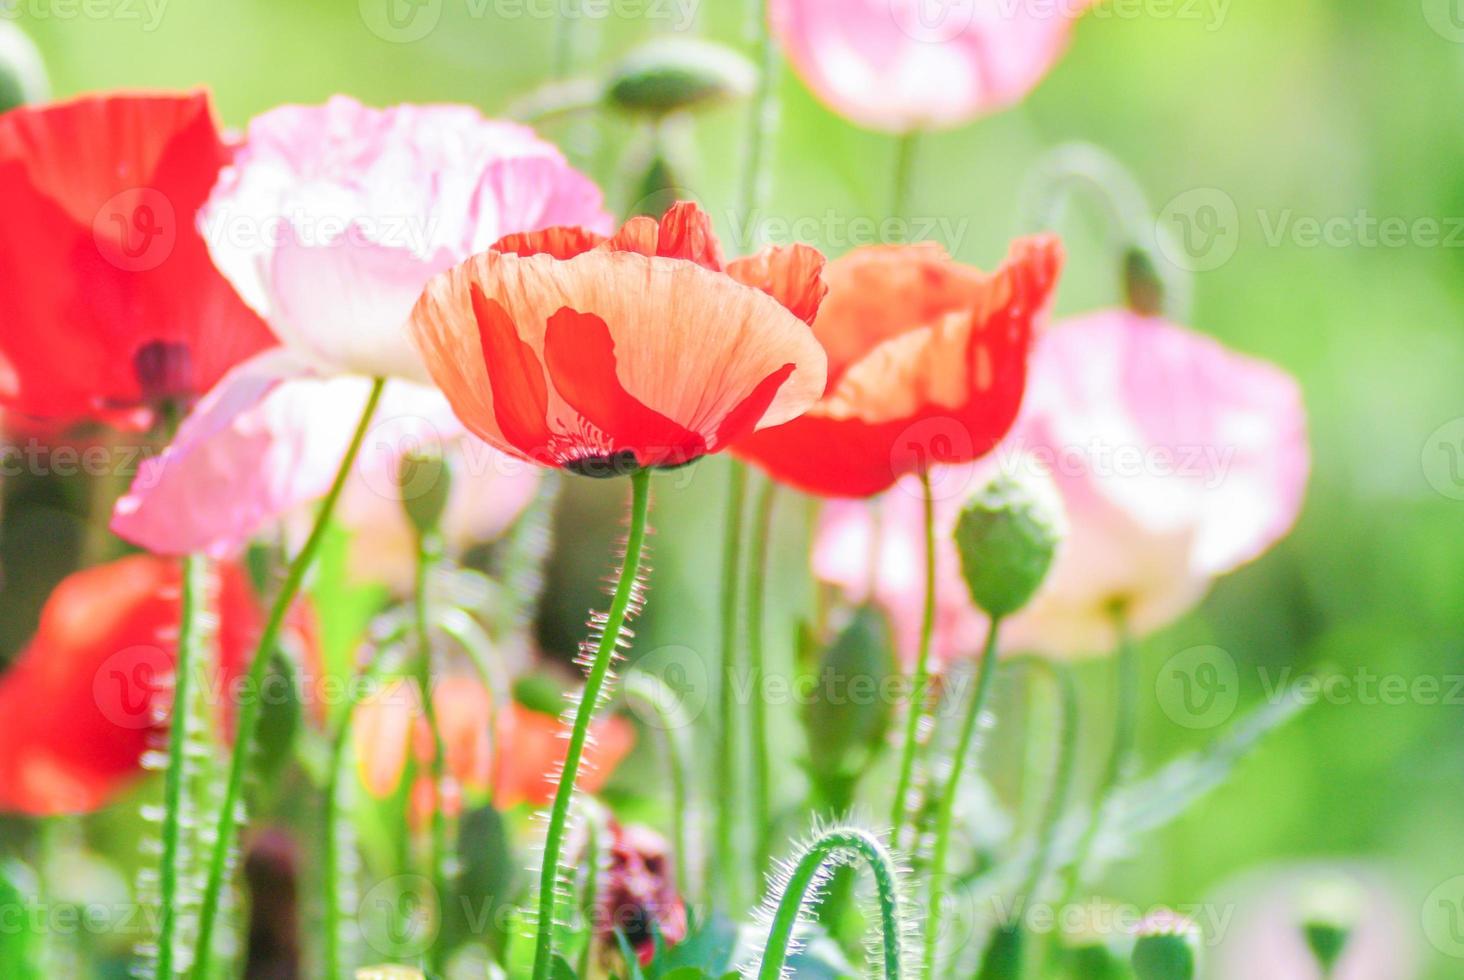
[1007,536]
[22,75]
[677,75]
[426,482]
[1167,948]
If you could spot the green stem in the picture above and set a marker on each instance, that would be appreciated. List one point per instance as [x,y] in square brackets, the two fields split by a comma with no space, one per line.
[1124,721]
[437,845]
[757,718]
[760,114]
[728,871]
[905,152]
[330,844]
[835,848]
[249,708]
[922,671]
[195,573]
[658,697]
[945,819]
[549,878]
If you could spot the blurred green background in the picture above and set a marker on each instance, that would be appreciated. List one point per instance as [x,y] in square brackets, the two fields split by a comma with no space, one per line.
[1340,109]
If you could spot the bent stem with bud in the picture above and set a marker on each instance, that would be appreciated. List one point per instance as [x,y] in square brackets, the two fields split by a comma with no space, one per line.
[625,589]
[802,880]
[249,708]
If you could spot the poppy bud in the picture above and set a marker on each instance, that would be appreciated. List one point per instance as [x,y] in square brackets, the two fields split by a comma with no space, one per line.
[22,75]
[1006,536]
[426,482]
[1143,288]
[1167,948]
[679,74]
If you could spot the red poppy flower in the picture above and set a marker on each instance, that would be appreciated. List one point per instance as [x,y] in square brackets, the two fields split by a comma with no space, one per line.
[93,689]
[108,298]
[638,898]
[927,364]
[605,355]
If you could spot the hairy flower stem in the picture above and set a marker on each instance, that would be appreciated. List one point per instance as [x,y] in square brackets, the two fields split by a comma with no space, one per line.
[725,871]
[1124,722]
[945,818]
[427,551]
[835,848]
[249,708]
[195,575]
[921,678]
[589,700]
[757,708]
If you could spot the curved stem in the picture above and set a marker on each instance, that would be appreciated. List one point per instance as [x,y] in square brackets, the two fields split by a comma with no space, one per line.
[757,721]
[726,865]
[835,848]
[922,670]
[249,707]
[195,574]
[330,846]
[437,845]
[1124,719]
[945,820]
[589,700]
[656,696]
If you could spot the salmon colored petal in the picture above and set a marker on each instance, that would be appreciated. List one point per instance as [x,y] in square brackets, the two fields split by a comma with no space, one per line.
[516,374]
[381,733]
[684,232]
[792,275]
[531,752]
[581,356]
[562,243]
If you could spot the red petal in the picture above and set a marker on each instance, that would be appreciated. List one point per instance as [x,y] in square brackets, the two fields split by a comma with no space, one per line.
[562,243]
[685,232]
[581,356]
[741,420]
[520,394]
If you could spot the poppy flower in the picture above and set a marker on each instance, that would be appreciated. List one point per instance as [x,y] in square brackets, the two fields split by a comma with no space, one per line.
[92,691]
[330,221]
[516,761]
[927,364]
[638,896]
[606,355]
[109,299]
[1177,461]
[903,65]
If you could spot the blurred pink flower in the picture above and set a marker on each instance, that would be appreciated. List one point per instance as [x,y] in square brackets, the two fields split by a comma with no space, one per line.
[1177,461]
[901,65]
[329,222]
[332,218]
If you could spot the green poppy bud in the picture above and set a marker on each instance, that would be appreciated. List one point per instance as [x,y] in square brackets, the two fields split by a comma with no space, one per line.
[1143,288]
[22,75]
[679,74]
[426,482]
[1167,948]
[1007,536]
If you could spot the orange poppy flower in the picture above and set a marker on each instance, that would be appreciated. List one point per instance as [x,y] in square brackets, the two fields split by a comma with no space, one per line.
[607,355]
[927,364]
[93,690]
[517,763]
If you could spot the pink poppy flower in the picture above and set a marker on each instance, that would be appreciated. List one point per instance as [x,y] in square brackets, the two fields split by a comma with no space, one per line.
[1177,461]
[903,65]
[329,222]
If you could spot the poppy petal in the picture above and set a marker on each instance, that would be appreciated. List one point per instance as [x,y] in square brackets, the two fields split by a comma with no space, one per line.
[792,275]
[521,402]
[743,419]
[562,243]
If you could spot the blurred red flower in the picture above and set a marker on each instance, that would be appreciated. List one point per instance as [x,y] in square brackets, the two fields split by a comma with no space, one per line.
[92,692]
[108,299]
[927,365]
